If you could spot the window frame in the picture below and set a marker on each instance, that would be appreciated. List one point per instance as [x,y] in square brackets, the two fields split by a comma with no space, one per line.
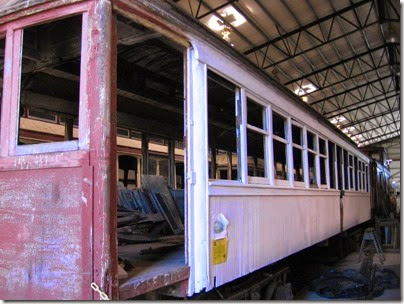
[303,148]
[325,156]
[282,182]
[266,132]
[316,159]
[12,84]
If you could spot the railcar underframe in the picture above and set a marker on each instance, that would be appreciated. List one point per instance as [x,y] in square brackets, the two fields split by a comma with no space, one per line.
[58,199]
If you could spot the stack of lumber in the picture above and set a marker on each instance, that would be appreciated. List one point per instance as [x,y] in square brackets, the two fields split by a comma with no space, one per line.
[149,219]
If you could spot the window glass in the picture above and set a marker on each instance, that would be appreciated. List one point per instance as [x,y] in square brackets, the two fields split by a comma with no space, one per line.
[346,171]
[331,164]
[367,178]
[298,165]
[322,146]
[222,136]
[255,114]
[281,170]
[279,125]
[356,173]
[255,153]
[256,140]
[311,141]
[312,169]
[323,172]
[339,168]
[297,135]
[54,88]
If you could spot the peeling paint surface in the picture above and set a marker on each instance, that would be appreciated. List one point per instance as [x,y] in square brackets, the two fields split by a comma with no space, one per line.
[45,247]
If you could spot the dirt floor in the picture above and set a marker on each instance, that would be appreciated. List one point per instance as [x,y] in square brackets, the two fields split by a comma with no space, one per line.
[351,261]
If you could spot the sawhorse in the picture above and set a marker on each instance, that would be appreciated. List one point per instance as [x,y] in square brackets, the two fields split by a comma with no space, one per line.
[370,235]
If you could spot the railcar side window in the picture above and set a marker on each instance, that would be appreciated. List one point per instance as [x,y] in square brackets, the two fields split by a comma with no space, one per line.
[331,163]
[346,171]
[367,178]
[340,168]
[356,173]
[363,177]
[297,140]
[256,135]
[279,129]
[50,82]
[360,178]
[312,153]
[351,173]
[323,161]
[222,128]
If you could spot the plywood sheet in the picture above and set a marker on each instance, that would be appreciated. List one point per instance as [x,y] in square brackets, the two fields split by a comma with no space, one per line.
[45,240]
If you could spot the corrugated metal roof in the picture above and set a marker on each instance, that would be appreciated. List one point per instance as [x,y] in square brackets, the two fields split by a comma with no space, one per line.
[342,57]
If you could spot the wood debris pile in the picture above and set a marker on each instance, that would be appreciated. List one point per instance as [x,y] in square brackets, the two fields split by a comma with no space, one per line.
[150,217]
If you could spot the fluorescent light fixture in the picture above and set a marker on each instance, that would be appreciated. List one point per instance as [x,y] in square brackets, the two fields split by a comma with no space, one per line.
[338,119]
[305,89]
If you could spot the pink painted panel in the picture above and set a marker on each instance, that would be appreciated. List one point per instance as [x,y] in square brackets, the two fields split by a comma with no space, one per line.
[45,239]
[266,229]
[356,209]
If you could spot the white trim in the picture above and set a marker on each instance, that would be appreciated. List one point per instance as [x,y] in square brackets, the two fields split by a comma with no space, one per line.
[289,151]
[49,147]
[256,129]
[270,148]
[196,174]
[243,157]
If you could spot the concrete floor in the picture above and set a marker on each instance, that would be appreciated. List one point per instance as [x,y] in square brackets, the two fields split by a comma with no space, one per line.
[392,262]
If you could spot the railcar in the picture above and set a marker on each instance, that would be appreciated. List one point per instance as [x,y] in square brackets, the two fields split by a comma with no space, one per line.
[85,81]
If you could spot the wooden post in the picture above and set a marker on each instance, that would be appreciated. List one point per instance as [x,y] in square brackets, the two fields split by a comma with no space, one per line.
[171,163]
[68,128]
[145,153]
[229,164]
[213,162]
[101,92]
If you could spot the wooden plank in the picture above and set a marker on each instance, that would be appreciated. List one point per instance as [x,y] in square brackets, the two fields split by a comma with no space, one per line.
[45,161]
[157,185]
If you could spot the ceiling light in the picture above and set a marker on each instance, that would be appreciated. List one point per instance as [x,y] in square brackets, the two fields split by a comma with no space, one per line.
[215,23]
[225,32]
[338,119]
[305,98]
[347,129]
[392,36]
[232,15]
[305,89]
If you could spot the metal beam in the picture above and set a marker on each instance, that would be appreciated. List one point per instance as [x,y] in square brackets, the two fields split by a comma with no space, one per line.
[369,118]
[331,66]
[375,128]
[379,136]
[349,90]
[214,10]
[307,26]
[386,140]
[360,107]
[320,45]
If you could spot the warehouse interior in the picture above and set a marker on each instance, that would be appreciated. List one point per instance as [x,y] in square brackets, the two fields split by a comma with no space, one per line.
[339,59]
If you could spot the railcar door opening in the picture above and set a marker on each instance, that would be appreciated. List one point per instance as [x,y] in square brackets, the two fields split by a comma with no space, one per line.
[150,156]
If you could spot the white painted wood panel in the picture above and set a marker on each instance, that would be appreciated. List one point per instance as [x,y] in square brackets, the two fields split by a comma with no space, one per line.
[265,229]
[356,209]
